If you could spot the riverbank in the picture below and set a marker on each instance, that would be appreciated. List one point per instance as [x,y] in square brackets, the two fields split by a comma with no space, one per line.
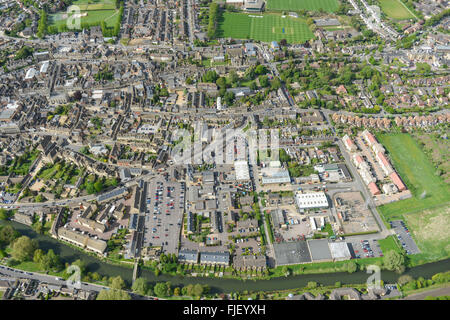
[222,285]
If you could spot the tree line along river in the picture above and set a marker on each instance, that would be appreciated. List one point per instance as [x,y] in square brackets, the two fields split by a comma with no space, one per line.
[219,285]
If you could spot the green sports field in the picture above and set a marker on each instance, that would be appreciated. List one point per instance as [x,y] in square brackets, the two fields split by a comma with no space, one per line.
[268,27]
[296,5]
[416,170]
[395,9]
[93,11]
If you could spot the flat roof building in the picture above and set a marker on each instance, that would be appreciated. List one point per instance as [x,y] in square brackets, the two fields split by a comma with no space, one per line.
[311,200]
[319,250]
[254,5]
[242,170]
[339,251]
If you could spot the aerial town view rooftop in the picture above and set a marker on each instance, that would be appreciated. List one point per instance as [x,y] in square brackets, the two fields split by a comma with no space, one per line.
[224,150]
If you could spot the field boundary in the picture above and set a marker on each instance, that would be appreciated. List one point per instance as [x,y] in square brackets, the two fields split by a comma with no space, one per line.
[412,13]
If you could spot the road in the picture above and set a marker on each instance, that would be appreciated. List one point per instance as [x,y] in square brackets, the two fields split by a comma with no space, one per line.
[19,274]
[434,293]
[384,232]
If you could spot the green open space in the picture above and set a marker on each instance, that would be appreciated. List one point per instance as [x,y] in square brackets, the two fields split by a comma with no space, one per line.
[68,172]
[388,244]
[430,229]
[297,5]
[426,213]
[417,172]
[395,9]
[20,165]
[267,27]
[92,12]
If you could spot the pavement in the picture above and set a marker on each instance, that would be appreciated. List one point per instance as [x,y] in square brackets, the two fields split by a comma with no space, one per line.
[434,293]
[162,222]
[404,237]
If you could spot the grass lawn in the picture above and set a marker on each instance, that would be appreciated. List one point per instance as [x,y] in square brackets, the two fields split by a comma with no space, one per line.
[20,165]
[60,170]
[296,5]
[389,244]
[267,28]
[95,4]
[32,266]
[395,9]
[430,229]
[437,149]
[324,267]
[429,190]
[95,11]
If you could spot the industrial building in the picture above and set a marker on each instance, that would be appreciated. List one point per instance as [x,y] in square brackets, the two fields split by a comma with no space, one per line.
[311,200]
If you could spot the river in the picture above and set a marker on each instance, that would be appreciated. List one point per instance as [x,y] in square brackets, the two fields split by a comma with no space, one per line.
[218,285]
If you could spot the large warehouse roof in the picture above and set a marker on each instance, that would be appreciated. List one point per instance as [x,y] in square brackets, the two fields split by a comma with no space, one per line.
[339,250]
[241,168]
[311,200]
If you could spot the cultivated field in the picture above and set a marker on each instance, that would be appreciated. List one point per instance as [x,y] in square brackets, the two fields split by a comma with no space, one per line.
[429,190]
[269,27]
[92,12]
[296,5]
[395,9]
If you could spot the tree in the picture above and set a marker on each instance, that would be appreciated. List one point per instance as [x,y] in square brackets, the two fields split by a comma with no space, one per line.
[284,157]
[7,235]
[260,70]
[394,261]
[38,255]
[53,259]
[210,76]
[140,286]
[113,294]
[233,77]
[4,214]
[23,248]
[161,289]
[263,81]
[45,263]
[188,290]
[351,267]
[117,283]
[213,18]
[276,84]
[198,290]
[229,98]
[80,264]
[40,198]
[38,227]
[98,186]
[285,270]
[221,82]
